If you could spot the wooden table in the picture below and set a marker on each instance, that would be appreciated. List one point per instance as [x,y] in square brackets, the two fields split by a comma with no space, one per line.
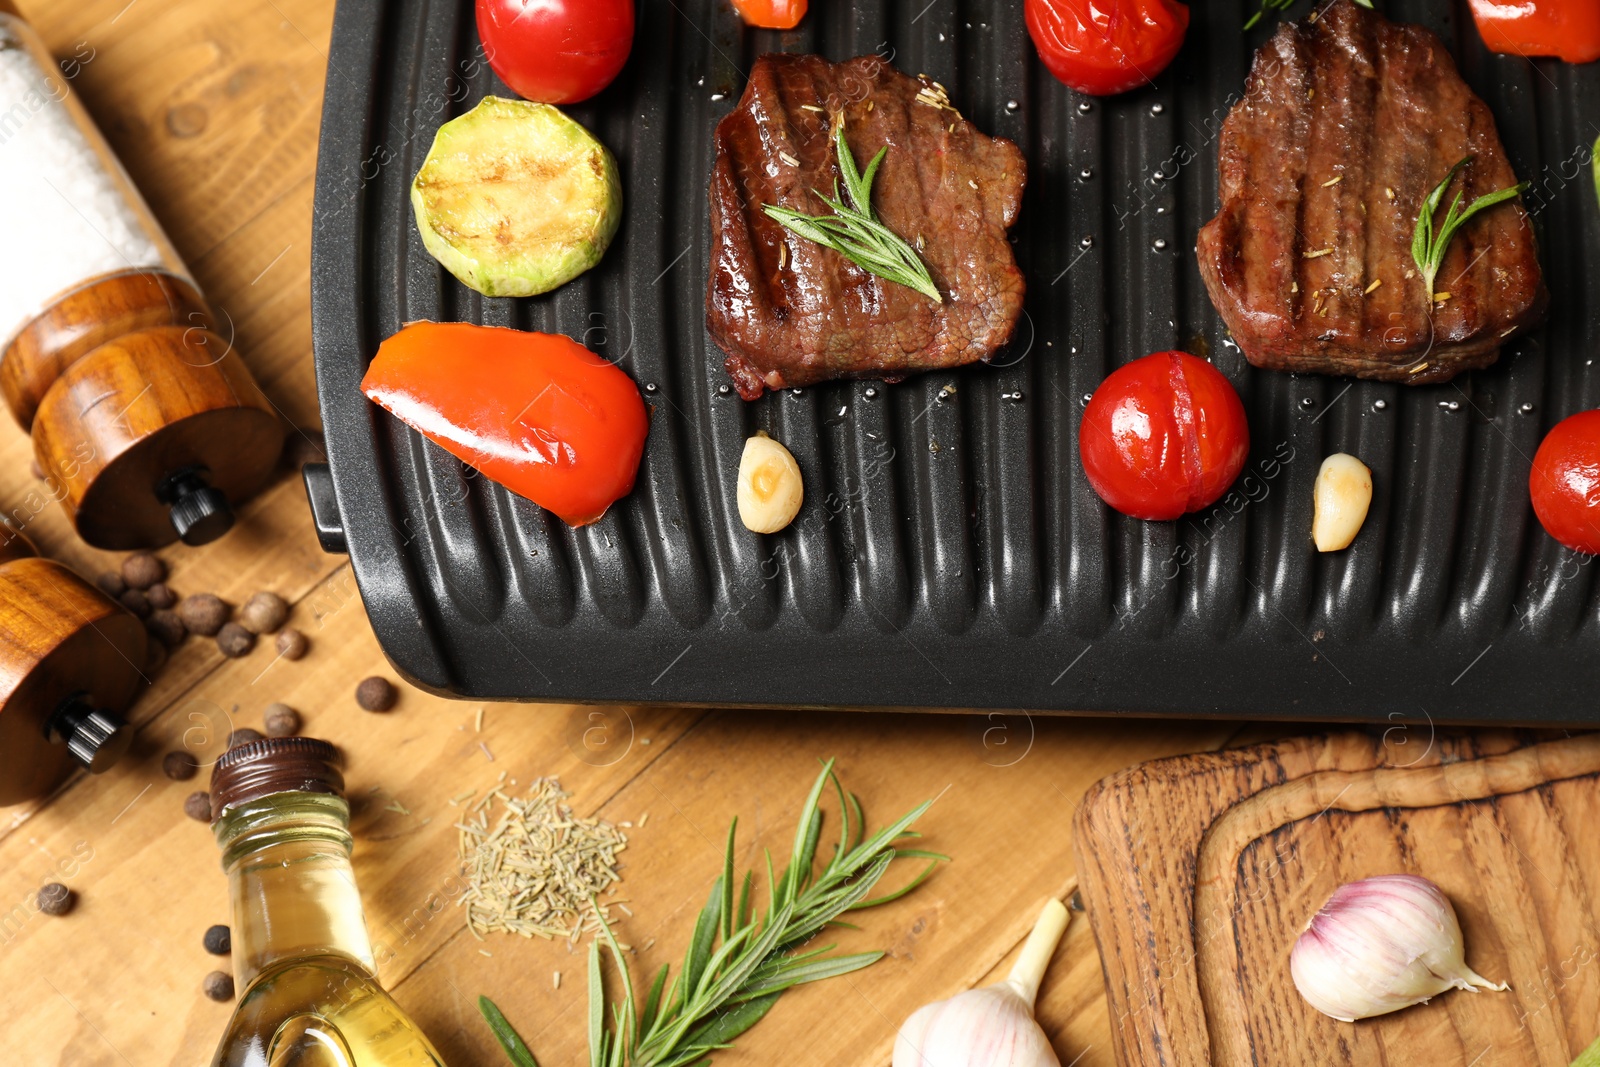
[215,108]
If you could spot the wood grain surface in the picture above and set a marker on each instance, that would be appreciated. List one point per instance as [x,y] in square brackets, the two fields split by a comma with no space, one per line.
[214,109]
[1200,872]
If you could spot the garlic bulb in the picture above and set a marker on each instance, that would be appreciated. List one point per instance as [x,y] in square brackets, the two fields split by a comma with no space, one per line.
[991,1027]
[1380,945]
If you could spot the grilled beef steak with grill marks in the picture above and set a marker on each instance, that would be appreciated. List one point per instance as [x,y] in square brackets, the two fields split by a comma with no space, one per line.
[789,312]
[1347,124]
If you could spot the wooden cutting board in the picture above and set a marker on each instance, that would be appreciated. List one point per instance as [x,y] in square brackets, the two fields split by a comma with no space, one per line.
[1199,872]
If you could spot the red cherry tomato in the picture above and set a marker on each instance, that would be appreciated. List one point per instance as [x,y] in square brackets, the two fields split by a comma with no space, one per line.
[771,14]
[556,51]
[1103,47]
[1568,29]
[1163,436]
[1565,482]
[536,412]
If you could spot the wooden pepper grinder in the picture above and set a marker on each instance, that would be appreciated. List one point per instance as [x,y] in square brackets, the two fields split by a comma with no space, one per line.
[70,662]
[149,421]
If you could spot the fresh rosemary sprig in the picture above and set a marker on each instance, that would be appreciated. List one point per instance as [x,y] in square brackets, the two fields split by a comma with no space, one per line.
[1429,245]
[736,967]
[853,230]
[1594,156]
[1282,5]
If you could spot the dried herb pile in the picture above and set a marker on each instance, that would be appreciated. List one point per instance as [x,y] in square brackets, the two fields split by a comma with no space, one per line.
[537,868]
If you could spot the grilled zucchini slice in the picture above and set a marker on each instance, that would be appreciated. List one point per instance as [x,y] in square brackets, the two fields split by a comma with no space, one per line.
[515,198]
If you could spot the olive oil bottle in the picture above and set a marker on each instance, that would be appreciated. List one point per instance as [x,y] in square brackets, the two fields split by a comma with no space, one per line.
[302,962]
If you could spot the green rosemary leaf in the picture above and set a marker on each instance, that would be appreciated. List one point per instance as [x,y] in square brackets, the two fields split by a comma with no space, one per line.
[1428,244]
[597,1009]
[516,1049]
[812,971]
[855,232]
[808,831]
[744,897]
[934,859]
[1594,156]
[705,935]
[1590,1057]
[729,917]
[652,1003]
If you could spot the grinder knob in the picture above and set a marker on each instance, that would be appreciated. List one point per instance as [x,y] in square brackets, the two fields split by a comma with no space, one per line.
[96,737]
[200,513]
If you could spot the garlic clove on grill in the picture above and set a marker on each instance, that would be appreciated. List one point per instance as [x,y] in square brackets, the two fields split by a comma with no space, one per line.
[993,1026]
[1340,499]
[770,489]
[1379,945]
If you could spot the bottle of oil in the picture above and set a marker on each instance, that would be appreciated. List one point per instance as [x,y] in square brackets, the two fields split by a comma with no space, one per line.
[302,962]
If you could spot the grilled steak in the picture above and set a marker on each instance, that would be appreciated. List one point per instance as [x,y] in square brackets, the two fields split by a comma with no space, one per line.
[1346,125]
[789,312]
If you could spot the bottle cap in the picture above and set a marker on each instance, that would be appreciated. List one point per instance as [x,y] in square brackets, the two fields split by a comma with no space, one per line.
[274,765]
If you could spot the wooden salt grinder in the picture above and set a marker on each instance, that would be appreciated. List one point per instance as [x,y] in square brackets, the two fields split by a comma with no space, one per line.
[149,422]
[70,661]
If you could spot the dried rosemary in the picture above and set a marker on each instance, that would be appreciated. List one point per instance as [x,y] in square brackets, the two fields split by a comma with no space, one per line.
[737,967]
[536,870]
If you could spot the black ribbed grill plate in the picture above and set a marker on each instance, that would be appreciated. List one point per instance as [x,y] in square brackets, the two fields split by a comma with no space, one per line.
[950,553]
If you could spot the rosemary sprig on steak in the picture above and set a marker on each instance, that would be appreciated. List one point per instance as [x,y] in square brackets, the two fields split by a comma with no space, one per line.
[1281,5]
[1428,246]
[854,231]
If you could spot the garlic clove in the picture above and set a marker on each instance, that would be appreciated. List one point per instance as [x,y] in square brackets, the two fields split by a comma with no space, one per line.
[1380,945]
[1341,499]
[770,488]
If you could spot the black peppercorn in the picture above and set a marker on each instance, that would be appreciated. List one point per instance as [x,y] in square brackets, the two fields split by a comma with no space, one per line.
[281,720]
[234,640]
[218,940]
[376,694]
[197,805]
[264,613]
[218,985]
[161,596]
[111,584]
[56,899]
[180,766]
[142,570]
[203,613]
[167,627]
[243,736]
[135,601]
[292,644]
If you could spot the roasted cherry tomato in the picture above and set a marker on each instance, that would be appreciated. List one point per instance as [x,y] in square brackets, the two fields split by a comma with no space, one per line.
[556,51]
[1565,482]
[771,14]
[1567,29]
[1103,47]
[1163,436]
[536,412]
